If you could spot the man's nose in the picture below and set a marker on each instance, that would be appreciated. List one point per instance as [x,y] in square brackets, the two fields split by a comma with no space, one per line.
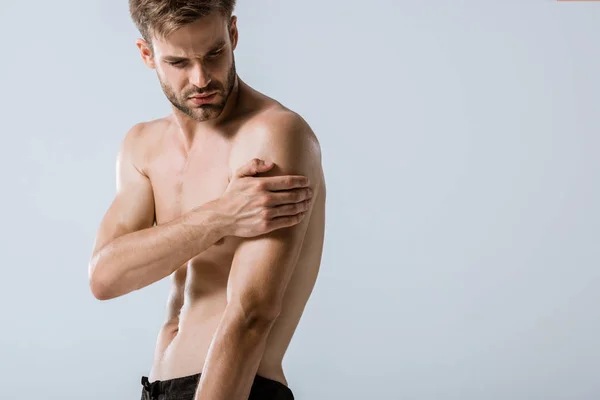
[199,77]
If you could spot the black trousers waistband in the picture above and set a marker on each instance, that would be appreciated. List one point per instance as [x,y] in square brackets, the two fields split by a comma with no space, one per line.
[185,387]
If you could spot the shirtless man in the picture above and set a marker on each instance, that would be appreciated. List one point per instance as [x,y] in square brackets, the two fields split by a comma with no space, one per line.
[227,196]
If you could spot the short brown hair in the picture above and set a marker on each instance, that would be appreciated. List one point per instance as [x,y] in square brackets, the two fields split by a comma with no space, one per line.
[162,17]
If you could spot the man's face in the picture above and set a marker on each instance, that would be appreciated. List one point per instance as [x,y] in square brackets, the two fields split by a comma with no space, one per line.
[196,60]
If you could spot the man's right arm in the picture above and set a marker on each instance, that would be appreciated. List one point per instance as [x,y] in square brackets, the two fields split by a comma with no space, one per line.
[130,253]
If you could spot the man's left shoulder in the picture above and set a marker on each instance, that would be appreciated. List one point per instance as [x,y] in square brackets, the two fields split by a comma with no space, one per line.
[283,131]
[285,125]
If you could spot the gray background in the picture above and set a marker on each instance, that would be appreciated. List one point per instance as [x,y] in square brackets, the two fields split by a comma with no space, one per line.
[460,144]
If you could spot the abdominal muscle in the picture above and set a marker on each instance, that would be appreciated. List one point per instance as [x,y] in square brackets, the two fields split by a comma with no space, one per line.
[182,346]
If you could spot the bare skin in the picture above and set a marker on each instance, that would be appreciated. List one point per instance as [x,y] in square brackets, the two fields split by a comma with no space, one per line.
[185,173]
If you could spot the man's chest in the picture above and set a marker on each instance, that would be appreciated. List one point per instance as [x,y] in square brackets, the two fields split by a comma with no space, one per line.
[181,184]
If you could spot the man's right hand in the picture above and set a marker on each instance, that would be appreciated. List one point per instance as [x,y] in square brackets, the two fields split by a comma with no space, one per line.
[257,205]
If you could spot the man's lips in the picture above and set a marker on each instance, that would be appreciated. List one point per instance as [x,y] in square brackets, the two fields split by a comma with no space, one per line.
[202,96]
[203,99]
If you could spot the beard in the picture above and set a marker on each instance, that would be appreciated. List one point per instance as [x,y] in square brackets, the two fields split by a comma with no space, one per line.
[202,112]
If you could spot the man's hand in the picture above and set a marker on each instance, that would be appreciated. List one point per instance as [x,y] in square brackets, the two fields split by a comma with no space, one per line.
[254,206]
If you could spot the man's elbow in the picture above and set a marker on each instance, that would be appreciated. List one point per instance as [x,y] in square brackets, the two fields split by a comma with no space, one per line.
[98,289]
[260,314]
[264,315]
[99,286]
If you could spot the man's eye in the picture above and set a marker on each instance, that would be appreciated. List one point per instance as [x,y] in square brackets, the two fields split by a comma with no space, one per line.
[177,63]
[216,54]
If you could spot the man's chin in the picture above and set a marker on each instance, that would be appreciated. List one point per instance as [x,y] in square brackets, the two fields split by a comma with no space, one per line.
[201,113]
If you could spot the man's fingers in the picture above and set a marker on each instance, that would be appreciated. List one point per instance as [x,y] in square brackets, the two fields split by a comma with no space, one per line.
[291,209]
[274,183]
[284,222]
[253,167]
[288,197]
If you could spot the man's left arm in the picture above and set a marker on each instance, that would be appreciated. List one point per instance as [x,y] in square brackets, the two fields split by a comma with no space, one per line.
[261,269]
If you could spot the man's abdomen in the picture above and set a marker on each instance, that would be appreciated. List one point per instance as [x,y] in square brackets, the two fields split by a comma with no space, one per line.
[181,350]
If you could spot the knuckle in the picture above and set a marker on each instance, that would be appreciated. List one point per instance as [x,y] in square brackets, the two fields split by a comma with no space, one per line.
[265,214]
[264,200]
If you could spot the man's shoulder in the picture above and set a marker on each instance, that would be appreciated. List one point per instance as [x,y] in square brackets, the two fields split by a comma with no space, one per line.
[277,128]
[280,136]
[144,130]
[140,139]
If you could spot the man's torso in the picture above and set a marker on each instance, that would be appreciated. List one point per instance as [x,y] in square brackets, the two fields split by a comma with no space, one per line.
[183,180]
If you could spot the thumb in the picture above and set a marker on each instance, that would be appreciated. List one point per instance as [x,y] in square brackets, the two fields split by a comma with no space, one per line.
[253,167]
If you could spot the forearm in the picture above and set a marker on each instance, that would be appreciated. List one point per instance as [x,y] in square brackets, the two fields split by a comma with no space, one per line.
[233,357]
[138,259]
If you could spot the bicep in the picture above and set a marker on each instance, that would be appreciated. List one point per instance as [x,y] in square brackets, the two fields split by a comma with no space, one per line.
[132,208]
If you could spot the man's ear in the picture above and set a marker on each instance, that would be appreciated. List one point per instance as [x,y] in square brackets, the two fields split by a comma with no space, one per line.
[146,53]
[233,32]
